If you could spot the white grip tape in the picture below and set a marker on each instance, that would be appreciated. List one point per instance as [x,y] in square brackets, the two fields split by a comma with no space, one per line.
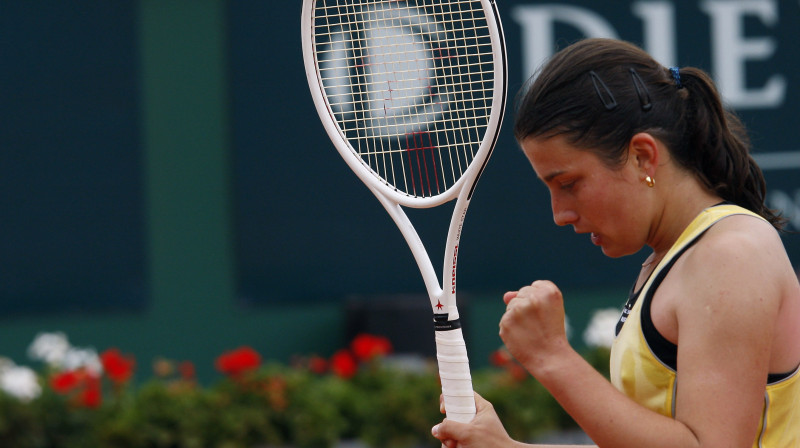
[451,353]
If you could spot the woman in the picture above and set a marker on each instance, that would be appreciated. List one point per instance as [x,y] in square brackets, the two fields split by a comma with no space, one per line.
[708,345]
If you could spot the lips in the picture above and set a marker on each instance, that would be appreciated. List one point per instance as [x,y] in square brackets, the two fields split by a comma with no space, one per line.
[596,238]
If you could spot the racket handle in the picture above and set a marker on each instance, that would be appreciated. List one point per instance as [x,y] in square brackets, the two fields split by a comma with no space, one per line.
[451,353]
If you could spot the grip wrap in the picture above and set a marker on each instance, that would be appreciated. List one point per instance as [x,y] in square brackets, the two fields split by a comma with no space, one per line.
[451,354]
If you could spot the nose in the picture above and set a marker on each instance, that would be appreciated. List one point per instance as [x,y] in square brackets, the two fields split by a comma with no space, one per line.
[562,214]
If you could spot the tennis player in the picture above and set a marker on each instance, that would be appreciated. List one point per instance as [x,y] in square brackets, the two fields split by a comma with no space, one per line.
[708,346]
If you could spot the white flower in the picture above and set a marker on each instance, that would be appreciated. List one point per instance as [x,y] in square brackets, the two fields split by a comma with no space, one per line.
[55,350]
[5,363]
[601,329]
[20,382]
[82,357]
[49,348]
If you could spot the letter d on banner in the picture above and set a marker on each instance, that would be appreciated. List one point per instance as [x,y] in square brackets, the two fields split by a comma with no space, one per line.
[537,30]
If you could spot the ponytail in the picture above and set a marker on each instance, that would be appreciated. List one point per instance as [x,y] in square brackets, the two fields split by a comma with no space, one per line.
[717,148]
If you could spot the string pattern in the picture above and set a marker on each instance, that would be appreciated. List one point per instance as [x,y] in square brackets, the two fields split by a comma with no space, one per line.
[409,84]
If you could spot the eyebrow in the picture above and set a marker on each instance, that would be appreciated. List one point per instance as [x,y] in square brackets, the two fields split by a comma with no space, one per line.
[553,175]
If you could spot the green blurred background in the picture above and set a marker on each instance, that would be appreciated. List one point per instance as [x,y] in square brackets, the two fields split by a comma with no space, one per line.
[167,187]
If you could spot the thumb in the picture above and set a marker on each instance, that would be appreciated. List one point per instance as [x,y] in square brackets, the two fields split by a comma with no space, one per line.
[480,402]
[448,430]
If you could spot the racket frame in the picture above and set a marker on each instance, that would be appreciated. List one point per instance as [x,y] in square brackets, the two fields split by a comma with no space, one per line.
[442,295]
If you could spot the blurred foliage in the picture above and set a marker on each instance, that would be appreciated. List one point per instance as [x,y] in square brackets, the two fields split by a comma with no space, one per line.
[311,402]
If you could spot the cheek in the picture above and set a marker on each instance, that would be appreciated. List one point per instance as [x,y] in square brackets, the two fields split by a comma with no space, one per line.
[598,203]
[626,226]
[613,211]
[612,193]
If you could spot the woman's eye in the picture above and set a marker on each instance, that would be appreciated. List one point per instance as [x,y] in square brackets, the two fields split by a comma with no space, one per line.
[567,185]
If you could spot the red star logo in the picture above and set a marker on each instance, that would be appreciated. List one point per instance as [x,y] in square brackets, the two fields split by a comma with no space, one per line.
[439,305]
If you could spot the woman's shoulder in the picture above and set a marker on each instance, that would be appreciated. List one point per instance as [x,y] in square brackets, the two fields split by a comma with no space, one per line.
[744,236]
[751,273]
[742,253]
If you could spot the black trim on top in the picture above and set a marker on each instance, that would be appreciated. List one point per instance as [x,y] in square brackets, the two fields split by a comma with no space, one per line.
[663,349]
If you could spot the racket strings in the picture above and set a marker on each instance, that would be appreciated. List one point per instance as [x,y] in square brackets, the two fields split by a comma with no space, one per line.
[410,85]
[466,17]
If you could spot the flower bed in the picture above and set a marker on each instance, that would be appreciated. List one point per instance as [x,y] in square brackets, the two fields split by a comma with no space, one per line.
[82,399]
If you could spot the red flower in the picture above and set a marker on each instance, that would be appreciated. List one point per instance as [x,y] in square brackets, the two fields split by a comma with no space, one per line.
[186,368]
[344,364]
[317,364]
[500,357]
[91,396]
[119,368]
[367,346]
[65,382]
[236,362]
[517,372]
[85,385]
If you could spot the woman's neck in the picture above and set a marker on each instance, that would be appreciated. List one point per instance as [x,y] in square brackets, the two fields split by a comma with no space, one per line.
[680,204]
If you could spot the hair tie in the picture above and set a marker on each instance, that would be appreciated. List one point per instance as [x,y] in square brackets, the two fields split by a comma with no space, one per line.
[676,75]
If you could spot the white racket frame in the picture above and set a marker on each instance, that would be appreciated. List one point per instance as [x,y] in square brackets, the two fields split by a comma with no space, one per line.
[450,346]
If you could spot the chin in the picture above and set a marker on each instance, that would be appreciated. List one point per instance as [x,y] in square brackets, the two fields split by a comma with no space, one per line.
[615,252]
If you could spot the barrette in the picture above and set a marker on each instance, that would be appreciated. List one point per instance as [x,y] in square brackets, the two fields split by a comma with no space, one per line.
[605,96]
[641,90]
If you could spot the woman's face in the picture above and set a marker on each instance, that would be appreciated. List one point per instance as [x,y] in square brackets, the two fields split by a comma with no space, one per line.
[590,196]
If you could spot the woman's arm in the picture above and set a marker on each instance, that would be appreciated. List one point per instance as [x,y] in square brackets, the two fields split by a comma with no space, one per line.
[532,329]
[724,317]
[724,298]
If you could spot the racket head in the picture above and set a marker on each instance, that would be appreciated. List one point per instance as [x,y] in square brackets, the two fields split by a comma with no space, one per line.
[412,93]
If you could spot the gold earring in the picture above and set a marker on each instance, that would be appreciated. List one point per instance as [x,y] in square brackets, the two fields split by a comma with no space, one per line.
[650,181]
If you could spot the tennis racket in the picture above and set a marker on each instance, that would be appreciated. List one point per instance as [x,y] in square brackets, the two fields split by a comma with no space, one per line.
[412,94]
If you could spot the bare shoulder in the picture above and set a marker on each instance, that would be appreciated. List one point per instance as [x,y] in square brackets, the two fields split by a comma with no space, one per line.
[740,258]
[736,284]
[744,239]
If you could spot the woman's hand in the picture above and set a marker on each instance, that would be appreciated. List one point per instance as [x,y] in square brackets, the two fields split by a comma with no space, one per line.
[532,327]
[484,431]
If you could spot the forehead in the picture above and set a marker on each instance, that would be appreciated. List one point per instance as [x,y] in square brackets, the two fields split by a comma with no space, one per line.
[553,156]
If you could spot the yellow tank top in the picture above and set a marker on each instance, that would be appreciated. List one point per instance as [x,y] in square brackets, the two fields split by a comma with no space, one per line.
[641,374]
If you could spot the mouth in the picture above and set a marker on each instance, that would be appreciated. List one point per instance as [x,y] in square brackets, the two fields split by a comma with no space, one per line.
[596,238]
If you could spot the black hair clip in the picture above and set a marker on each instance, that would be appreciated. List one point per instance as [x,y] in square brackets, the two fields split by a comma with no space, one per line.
[641,90]
[607,98]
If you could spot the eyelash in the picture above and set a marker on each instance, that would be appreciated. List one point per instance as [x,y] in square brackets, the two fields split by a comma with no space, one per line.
[567,186]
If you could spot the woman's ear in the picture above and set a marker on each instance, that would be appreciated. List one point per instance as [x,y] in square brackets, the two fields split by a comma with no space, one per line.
[644,151]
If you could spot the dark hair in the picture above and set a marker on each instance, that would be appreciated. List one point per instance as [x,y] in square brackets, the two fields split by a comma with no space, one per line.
[599,93]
